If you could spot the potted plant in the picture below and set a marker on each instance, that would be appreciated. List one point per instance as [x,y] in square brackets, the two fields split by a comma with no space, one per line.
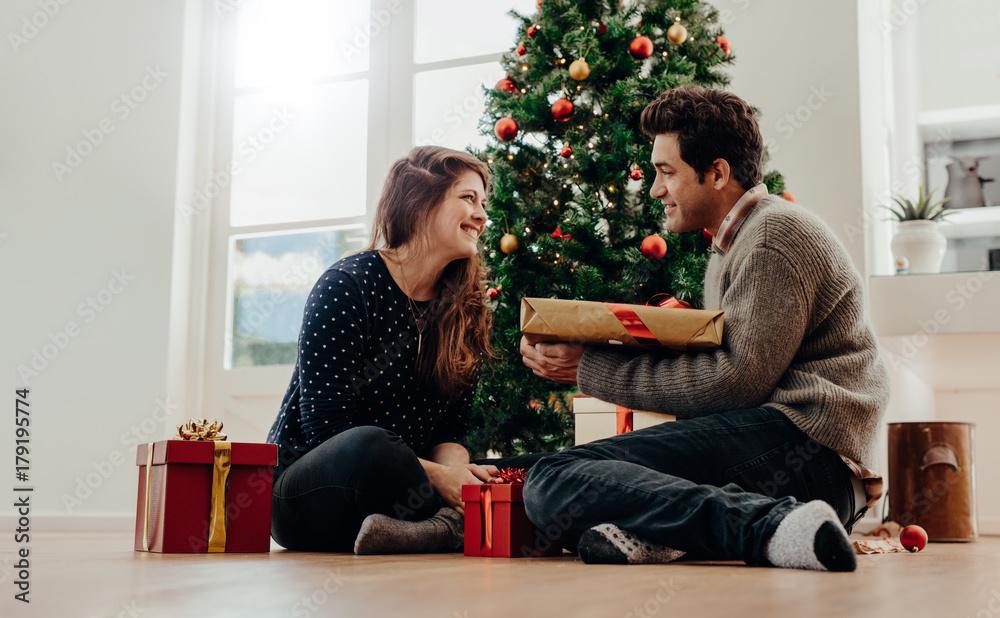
[918,243]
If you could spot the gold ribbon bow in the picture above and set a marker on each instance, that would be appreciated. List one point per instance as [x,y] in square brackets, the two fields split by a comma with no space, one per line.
[200,429]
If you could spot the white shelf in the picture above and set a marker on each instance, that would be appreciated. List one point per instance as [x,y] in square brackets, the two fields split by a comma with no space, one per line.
[960,123]
[972,223]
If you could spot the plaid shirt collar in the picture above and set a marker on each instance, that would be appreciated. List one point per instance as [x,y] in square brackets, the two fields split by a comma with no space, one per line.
[734,220]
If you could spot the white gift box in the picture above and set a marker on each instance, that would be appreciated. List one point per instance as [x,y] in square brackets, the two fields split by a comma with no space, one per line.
[596,419]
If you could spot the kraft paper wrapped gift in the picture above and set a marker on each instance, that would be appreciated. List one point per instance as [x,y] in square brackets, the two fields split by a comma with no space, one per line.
[596,419]
[581,321]
[204,497]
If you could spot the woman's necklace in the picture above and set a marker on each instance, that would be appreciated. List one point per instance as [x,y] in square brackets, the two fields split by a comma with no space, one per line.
[418,317]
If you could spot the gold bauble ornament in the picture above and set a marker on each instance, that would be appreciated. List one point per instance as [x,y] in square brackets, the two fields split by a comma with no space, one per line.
[509,244]
[579,69]
[677,34]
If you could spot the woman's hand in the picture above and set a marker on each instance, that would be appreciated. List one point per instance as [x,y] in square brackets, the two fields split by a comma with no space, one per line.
[448,480]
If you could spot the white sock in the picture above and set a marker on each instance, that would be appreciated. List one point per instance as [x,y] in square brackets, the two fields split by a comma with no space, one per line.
[811,537]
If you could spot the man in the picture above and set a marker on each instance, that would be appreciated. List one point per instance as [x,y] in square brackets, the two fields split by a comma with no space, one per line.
[770,457]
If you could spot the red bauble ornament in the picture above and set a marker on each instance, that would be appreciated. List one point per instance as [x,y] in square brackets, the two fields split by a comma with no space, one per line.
[641,47]
[602,29]
[506,129]
[707,236]
[521,50]
[913,538]
[653,247]
[788,196]
[566,152]
[724,44]
[539,3]
[492,293]
[532,31]
[506,85]
[635,174]
[562,109]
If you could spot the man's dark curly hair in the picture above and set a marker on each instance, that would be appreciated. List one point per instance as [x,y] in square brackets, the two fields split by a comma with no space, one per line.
[710,124]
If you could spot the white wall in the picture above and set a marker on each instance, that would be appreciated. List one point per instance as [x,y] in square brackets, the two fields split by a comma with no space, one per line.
[66,239]
[958,52]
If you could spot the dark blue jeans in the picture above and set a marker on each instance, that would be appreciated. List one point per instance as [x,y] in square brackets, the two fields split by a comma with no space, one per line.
[319,502]
[715,487]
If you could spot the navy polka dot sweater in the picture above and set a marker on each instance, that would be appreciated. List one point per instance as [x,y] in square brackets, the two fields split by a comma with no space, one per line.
[355,367]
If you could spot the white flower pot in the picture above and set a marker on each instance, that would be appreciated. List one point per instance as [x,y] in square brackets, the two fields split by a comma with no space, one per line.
[922,244]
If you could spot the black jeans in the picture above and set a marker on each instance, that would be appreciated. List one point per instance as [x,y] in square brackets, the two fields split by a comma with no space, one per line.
[715,487]
[319,502]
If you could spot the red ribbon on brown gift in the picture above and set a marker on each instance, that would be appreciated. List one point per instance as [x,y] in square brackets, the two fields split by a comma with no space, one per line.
[669,302]
[632,323]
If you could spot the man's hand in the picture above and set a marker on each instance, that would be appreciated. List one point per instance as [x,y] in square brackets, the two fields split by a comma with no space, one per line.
[448,480]
[555,361]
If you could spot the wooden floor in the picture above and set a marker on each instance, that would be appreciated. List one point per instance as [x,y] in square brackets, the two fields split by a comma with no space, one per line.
[97,574]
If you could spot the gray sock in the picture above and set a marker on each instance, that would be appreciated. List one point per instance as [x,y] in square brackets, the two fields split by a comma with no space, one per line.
[811,537]
[609,544]
[381,534]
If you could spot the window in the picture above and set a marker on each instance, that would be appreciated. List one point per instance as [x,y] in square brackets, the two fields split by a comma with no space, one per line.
[315,99]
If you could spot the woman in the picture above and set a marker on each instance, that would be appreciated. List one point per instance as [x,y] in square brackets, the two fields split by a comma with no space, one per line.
[371,429]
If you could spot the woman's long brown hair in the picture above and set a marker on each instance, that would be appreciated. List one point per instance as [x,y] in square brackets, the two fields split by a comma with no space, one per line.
[456,335]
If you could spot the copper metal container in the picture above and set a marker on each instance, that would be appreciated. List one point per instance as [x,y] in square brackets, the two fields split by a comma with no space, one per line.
[932,481]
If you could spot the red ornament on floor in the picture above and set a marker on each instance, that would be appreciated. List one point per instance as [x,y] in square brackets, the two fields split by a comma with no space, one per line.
[641,47]
[562,109]
[913,538]
[506,129]
[653,247]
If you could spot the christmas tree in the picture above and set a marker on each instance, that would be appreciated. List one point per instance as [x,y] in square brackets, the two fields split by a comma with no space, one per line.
[570,206]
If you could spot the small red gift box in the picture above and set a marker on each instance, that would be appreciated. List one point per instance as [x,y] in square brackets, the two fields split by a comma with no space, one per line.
[204,496]
[496,524]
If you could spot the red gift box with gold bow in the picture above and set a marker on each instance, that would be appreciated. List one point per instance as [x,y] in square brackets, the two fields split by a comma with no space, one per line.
[496,524]
[203,494]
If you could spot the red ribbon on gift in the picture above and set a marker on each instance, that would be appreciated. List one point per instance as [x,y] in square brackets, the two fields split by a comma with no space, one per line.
[632,323]
[486,500]
[623,417]
[669,302]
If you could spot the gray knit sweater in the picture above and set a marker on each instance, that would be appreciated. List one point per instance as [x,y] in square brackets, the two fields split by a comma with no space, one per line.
[796,338]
